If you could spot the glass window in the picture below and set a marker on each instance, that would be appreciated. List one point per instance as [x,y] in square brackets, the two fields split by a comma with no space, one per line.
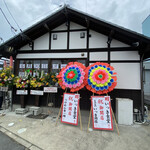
[57,65]
[44,66]
[22,67]
[29,64]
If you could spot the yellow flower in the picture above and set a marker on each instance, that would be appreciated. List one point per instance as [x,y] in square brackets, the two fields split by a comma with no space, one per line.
[6,78]
[42,79]
[47,83]
[12,75]
[54,80]
[52,76]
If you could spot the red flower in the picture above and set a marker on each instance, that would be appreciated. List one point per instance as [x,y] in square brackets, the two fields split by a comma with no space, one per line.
[71,75]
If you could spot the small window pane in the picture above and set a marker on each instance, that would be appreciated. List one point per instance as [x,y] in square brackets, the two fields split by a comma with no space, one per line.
[44,66]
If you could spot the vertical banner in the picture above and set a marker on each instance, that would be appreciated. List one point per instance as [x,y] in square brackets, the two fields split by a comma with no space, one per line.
[70,108]
[101,112]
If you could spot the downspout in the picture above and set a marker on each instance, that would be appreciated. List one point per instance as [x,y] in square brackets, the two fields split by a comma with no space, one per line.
[142,87]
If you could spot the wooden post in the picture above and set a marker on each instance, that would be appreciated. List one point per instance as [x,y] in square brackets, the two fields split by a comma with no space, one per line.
[80,119]
[60,110]
[115,121]
[89,119]
[58,114]
[37,100]
[22,102]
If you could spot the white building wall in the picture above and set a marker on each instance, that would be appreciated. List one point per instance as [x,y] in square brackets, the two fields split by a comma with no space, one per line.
[128,75]
[76,26]
[97,40]
[51,55]
[76,42]
[61,42]
[98,56]
[26,47]
[61,27]
[42,43]
[116,43]
[125,55]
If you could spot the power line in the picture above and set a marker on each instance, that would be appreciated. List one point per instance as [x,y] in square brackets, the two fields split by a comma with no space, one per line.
[12,28]
[12,15]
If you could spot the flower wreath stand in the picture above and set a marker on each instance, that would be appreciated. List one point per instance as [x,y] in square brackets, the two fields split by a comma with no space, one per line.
[22,93]
[37,93]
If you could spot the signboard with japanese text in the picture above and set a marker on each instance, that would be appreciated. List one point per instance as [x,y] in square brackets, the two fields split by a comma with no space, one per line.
[22,92]
[36,92]
[4,89]
[101,113]
[50,89]
[70,108]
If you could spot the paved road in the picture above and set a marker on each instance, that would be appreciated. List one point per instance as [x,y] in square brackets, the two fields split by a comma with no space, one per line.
[6,143]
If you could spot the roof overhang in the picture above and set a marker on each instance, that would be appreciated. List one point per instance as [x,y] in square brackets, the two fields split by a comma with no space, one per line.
[68,14]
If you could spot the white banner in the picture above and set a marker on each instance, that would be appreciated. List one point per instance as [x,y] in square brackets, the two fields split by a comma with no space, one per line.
[55,66]
[36,92]
[50,89]
[21,65]
[29,66]
[44,66]
[101,113]
[70,108]
[36,66]
[4,89]
[22,92]
[63,65]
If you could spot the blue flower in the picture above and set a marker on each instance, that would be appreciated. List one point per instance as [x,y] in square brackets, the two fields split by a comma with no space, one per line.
[112,80]
[108,69]
[93,86]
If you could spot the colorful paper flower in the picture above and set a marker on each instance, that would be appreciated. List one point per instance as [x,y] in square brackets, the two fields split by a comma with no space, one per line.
[72,76]
[100,78]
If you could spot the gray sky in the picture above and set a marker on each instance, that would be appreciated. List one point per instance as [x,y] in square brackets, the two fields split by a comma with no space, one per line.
[127,13]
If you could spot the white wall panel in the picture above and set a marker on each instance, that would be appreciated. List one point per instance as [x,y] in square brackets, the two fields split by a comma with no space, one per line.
[61,42]
[98,56]
[97,40]
[76,26]
[51,55]
[26,47]
[75,40]
[42,43]
[128,75]
[125,55]
[116,43]
[61,27]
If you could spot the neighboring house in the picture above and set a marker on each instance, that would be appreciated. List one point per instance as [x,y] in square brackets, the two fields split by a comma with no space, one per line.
[146,26]
[146,32]
[146,78]
[70,35]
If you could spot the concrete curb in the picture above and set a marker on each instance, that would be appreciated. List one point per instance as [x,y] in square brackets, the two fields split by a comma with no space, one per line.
[20,140]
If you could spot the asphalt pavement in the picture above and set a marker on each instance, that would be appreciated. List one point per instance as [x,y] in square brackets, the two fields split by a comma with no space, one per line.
[6,143]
